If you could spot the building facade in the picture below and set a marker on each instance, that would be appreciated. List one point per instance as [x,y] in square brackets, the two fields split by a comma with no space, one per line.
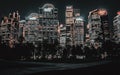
[116,28]
[98,27]
[10,29]
[22,24]
[78,28]
[48,19]
[62,35]
[32,28]
[69,25]
[74,26]
[104,24]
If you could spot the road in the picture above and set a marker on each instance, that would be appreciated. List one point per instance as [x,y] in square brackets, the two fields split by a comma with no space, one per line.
[27,68]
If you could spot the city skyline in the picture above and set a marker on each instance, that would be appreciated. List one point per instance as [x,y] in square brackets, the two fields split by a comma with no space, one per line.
[74,22]
[44,28]
[42,36]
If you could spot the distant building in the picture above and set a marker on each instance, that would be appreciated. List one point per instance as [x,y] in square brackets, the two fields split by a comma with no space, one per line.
[32,28]
[116,28]
[74,26]
[22,24]
[48,19]
[10,29]
[62,35]
[98,27]
[104,24]
[78,28]
[69,25]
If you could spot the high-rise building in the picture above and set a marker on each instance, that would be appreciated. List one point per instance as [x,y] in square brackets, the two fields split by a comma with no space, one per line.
[69,25]
[98,27]
[74,27]
[94,27]
[78,28]
[48,19]
[10,29]
[22,24]
[62,35]
[104,24]
[116,28]
[32,28]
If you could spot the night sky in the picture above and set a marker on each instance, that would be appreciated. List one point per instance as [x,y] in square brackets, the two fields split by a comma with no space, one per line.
[25,7]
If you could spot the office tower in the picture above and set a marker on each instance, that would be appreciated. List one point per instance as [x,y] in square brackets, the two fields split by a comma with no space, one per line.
[98,27]
[116,28]
[10,29]
[78,28]
[22,24]
[69,25]
[74,27]
[31,28]
[48,19]
[62,35]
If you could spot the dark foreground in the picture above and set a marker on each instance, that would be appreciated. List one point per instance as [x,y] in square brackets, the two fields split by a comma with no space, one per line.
[41,68]
[112,68]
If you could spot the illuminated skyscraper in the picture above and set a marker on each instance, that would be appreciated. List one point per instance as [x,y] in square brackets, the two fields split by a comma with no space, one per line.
[98,27]
[48,19]
[69,25]
[62,35]
[22,24]
[74,27]
[10,29]
[104,24]
[116,28]
[78,28]
[31,28]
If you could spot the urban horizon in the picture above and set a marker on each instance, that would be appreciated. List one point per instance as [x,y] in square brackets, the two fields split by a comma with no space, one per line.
[43,29]
[63,36]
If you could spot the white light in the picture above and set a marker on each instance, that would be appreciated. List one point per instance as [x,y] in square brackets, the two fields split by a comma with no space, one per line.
[79,19]
[33,18]
[61,25]
[22,21]
[69,7]
[48,9]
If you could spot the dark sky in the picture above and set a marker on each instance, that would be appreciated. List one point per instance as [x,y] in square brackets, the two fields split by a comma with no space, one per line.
[25,7]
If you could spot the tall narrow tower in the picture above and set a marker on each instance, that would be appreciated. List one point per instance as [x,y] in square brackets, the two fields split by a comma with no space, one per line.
[69,25]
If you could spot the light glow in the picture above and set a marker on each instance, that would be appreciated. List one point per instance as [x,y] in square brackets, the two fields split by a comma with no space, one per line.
[79,19]
[32,18]
[102,12]
[118,12]
[48,9]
